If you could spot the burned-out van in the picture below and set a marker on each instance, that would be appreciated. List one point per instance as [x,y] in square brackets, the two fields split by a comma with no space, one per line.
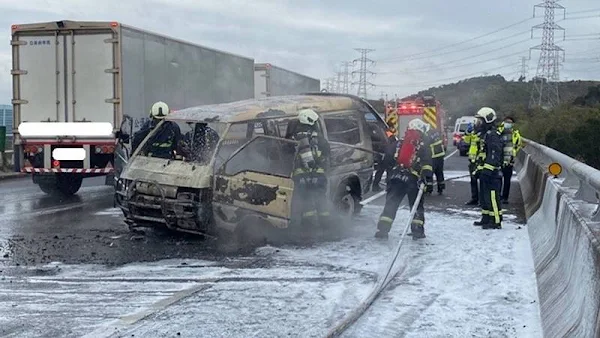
[233,164]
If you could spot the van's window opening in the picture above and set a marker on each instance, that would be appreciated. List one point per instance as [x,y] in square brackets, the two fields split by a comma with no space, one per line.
[264,155]
[343,128]
[462,127]
[195,143]
[241,132]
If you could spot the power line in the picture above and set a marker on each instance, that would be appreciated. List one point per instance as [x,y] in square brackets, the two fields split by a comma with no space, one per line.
[436,67]
[402,59]
[459,77]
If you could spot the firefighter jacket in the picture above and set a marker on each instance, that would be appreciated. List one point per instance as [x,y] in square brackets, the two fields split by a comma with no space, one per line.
[422,166]
[436,144]
[313,151]
[164,141]
[141,134]
[512,144]
[198,145]
[472,139]
[491,156]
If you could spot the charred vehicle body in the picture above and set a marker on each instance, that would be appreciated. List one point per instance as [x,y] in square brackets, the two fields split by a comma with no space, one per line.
[231,164]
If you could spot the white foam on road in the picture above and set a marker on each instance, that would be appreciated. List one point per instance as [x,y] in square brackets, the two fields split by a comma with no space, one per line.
[460,281]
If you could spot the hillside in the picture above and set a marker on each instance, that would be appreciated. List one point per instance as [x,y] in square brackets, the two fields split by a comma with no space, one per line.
[506,97]
[571,128]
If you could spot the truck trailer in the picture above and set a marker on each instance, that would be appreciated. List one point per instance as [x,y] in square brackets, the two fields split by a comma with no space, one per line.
[82,89]
[270,80]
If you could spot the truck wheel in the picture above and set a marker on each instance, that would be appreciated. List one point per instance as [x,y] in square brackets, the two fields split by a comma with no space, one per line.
[68,184]
[48,188]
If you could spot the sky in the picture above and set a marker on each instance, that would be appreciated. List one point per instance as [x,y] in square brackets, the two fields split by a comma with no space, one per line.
[415,44]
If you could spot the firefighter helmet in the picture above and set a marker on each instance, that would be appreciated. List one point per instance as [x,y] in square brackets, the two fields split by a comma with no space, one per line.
[307,116]
[159,110]
[417,124]
[487,114]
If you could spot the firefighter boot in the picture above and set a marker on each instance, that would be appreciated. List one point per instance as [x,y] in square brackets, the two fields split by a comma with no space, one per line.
[492,224]
[485,219]
[418,231]
[472,202]
[380,234]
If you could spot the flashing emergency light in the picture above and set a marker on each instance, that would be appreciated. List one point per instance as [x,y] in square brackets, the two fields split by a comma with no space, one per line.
[55,163]
[53,129]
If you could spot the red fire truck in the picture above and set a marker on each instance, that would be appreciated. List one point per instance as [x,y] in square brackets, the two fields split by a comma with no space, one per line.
[425,107]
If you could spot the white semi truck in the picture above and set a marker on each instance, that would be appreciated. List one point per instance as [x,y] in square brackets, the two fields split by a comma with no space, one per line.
[78,86]
[270,80]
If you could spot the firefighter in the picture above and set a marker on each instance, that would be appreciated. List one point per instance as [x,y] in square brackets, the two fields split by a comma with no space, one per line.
[512,144]
[199,143]
[412,168]
[387,162]
[437,159]
[472,139]
[164,142]
[310,180]
[489,169]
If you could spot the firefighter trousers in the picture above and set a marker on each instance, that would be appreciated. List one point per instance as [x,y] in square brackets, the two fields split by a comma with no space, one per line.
[396,191]
[507,173]
[379,173]
[491,209]
[474,182]
[311,205]
[438,171]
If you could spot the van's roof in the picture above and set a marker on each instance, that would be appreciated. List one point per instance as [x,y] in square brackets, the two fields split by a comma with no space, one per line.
[267,107]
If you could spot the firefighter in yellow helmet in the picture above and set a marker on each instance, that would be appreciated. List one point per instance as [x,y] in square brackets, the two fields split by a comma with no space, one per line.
[165,141]
[309,176]
[489,168]
[512,144]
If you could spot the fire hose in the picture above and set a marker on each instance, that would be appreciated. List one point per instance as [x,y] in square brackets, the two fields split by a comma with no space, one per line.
[353,316]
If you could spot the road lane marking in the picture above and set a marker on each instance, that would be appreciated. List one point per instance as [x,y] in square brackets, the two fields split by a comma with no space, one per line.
[114,327]
[452,153]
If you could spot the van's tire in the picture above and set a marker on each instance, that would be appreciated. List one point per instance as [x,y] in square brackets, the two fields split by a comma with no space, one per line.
[347,200]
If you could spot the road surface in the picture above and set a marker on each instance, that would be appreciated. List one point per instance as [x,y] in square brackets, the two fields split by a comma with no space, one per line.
[71,268]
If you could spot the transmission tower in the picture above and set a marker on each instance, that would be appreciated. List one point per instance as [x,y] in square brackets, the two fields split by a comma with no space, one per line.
[544,92]
[363,71]
[346,77]
[338,82]
[524,69]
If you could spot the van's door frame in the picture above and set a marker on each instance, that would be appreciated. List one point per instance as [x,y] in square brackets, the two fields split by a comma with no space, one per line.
[253,193]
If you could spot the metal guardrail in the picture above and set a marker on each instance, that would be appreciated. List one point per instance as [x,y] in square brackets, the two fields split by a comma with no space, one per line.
[577,175]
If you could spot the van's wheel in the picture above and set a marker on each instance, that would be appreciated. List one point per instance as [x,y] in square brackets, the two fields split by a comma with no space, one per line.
[68,184]
[348,201]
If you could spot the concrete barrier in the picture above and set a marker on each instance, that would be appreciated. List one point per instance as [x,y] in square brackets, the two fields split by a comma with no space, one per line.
[564,241]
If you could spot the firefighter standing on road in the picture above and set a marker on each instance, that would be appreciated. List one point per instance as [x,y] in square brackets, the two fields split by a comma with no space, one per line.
[387,162]
[489,169]
[512,144]
[437,158]
[472,139]
[412,168]
[310,180]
